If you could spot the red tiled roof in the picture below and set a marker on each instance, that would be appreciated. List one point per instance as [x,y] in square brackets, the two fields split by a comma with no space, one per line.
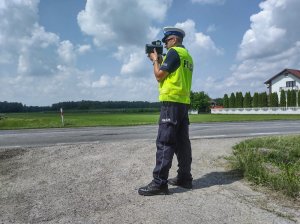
[291,71]
[294,72]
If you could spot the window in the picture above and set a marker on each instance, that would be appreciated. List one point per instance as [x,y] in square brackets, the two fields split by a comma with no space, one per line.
[290,83]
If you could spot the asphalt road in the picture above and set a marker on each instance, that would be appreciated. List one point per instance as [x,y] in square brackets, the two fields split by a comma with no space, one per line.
[38,137]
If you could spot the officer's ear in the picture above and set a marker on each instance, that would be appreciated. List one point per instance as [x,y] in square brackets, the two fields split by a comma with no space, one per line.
[179,40]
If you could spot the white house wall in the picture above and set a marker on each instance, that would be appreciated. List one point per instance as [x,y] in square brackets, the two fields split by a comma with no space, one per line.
[281,80]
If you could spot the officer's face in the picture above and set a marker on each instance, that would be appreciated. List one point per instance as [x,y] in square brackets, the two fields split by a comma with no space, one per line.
[169,42]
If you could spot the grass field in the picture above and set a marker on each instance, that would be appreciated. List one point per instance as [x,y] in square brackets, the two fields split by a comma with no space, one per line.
[270,161]
[86,119]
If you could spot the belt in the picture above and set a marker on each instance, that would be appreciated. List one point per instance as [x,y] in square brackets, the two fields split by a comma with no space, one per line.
[168,103]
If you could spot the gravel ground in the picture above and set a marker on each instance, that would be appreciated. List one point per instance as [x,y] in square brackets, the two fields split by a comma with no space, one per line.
[97,183]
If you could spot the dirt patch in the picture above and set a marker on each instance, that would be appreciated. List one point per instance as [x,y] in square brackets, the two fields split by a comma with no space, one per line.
[10,153]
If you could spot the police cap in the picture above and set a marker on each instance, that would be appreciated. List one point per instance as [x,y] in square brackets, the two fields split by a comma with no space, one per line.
[168,31]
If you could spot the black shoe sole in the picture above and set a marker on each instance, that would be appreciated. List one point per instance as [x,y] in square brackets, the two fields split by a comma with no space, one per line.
[145,193]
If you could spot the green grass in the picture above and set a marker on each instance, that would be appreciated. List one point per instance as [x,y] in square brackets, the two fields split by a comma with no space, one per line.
[53,120]
[90,119]
[270,161]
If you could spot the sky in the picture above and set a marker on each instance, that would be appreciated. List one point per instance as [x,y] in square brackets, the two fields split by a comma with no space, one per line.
[71,50]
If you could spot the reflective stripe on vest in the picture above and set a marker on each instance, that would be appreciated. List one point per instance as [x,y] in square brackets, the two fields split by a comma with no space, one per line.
[176,87]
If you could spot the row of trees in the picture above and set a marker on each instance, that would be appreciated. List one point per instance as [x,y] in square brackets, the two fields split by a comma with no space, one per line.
[200,102]
[290,98]
[7,107]
[94,105]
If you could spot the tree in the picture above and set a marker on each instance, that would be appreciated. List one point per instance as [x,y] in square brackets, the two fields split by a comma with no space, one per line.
[282,102]
[298,98]
[274,99]
[293,98]
[226,101]
[200,101]
[232,101]
[6,107]
[219,102]
[239,100]
[255,100]
[247,100]
[289,98]
[264,99]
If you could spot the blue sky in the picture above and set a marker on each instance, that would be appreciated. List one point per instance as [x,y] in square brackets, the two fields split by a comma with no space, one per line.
[69,50]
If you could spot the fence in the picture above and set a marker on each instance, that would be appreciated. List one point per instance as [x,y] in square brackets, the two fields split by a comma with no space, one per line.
[258,110]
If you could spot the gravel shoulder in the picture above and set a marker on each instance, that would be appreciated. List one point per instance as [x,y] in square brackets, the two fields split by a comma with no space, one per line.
[97,183]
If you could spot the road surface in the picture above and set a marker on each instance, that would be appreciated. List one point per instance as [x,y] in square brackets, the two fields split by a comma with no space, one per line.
[37,137]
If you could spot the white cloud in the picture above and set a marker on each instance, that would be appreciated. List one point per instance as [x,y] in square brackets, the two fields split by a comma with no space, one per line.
[83,48]
[273,30]
[102,82]
[134,60]
[124,88]
[124,22]
[25,47]
[35,52]
[270,45]
[153,33]
[197,41]
[134,64]
[66,52]
[36,67]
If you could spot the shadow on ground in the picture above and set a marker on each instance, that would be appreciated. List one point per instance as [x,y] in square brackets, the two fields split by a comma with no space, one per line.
[211,179]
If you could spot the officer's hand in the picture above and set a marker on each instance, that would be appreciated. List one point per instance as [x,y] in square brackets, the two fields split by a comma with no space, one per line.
[153,56]
[160,59]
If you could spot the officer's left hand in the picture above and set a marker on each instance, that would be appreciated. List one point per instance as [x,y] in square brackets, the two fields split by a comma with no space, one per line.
[153,56]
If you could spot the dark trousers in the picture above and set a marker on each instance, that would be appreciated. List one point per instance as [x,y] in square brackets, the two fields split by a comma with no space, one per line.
[173,137]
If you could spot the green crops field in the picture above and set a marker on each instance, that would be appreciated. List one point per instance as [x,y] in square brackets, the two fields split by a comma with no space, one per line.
[91,119]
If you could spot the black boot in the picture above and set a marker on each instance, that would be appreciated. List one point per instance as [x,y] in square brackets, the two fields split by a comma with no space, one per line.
[152,189]
[181,183]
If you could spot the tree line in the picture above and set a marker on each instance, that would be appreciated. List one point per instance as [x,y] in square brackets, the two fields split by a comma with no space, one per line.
[290,98]
[13,107]
[200,102]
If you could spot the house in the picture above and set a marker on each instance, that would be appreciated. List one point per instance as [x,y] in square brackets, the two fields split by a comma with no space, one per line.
[288,79]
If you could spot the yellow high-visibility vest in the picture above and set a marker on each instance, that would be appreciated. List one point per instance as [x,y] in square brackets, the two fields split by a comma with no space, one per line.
[176,87]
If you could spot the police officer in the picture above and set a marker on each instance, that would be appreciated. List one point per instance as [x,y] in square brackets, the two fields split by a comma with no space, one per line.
[174,75]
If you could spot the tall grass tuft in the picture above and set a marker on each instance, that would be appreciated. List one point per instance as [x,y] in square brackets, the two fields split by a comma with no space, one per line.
[270,161]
